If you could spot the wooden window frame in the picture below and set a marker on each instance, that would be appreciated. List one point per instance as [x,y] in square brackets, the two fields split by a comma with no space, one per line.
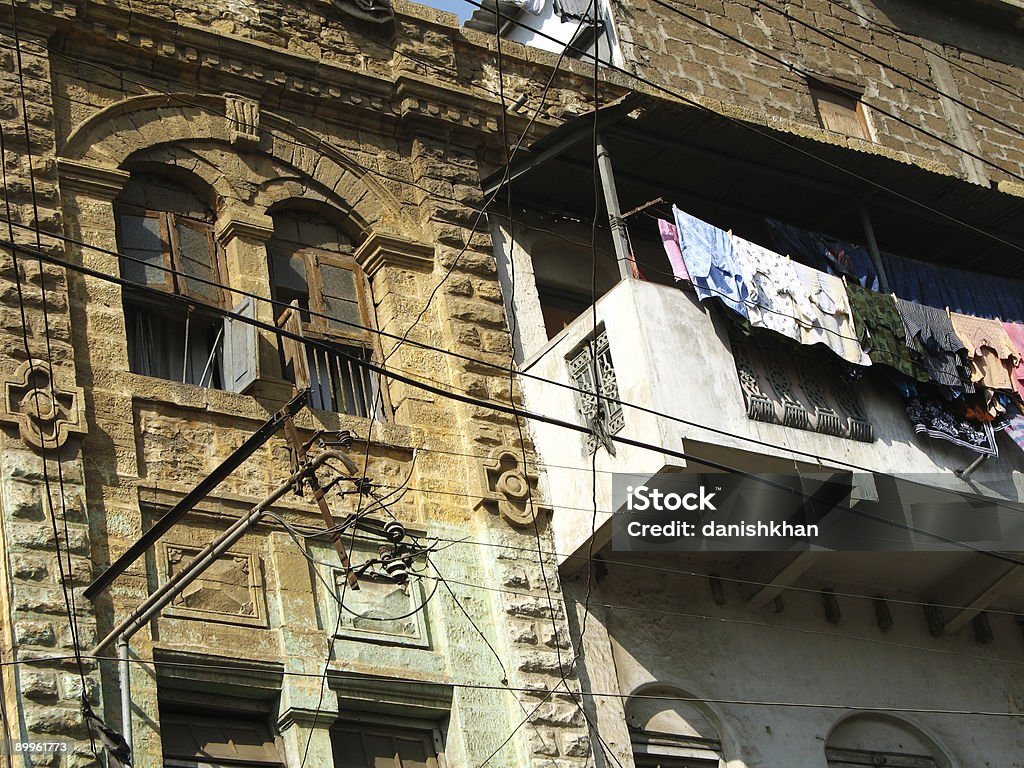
[825,87]
[431,732]
[175,281]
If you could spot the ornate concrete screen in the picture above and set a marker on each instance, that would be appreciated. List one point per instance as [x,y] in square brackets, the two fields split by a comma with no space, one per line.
[592,371]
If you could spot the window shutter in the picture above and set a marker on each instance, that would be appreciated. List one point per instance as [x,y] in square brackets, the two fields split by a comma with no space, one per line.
[294,351]
[142,240]
[240,339]
[341,297]
[194,257]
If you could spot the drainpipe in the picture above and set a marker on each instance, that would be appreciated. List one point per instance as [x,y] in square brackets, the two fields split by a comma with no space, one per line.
[124,672]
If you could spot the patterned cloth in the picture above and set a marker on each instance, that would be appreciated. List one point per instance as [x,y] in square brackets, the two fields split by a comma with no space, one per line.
[931,416]
[881,332]
[670,240]
[993,355]
[773,285]
[1016,333]
[945,356]
[825,316]
[1015,429]
[711,262]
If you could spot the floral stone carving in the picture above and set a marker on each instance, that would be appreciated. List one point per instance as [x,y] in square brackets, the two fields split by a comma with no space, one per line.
[511,489]
[45,413]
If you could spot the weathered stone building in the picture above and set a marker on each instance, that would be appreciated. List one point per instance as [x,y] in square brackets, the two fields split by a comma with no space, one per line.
[894,129]
[169,169]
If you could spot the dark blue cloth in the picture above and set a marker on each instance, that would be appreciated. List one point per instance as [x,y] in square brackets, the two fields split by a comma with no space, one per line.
[971,293]
[825,254]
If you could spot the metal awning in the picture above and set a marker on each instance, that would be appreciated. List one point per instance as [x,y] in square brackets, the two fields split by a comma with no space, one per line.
[735,173]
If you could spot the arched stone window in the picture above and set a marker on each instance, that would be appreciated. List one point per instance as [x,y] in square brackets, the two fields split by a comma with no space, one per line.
[877,739]
[668,731]
[312,267]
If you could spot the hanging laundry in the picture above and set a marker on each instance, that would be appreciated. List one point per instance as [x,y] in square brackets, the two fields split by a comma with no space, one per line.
[973,293]
[1014,428]
[1016,333]
[773,288]
[993,355]
[932,416]
[824,314]
[670,240]
[825,253]
[945,356]
[579,10]
[882,334]
[711,262]
[531,6]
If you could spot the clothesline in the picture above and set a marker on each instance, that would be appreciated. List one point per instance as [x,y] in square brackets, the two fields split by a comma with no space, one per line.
[860,325]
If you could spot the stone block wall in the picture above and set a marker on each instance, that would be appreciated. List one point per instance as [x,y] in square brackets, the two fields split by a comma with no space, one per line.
[390,130]
[756,55]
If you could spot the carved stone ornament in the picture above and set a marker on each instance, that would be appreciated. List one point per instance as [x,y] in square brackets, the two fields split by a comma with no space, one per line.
[511,489]
[243,118]
[45,413]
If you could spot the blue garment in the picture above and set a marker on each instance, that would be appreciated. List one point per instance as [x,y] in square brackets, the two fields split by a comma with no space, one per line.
[710,260]
[825,254]
[971,293]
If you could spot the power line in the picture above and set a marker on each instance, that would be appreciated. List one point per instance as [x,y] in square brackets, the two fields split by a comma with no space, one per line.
[341,352]
[838,90]
[341,676]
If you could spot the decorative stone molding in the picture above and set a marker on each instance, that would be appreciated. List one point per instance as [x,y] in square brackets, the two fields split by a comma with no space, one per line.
[381,249]
[45,413]
[511,488]
[234,223]
[243,117]
[96,181]
[231,589]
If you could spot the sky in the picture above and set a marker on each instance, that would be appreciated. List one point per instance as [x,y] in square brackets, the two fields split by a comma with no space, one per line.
[459,7]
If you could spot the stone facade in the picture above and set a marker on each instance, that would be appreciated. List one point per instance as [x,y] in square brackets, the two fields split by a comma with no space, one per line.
[254,108]
[756,56]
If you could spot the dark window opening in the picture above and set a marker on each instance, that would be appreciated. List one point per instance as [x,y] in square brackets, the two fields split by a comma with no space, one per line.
[379,746]
[312,269]
[165,236]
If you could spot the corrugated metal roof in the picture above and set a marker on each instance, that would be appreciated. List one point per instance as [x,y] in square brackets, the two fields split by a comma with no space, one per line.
[734,174]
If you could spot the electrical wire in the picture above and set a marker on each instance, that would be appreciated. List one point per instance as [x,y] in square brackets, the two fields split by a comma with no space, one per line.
[340,351]
[64,575]
[341,676]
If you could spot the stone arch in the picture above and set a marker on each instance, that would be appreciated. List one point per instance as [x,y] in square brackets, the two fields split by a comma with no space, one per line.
[110,137]
[879,733]
[663,711]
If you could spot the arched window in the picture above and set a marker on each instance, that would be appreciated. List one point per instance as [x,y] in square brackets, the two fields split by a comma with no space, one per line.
[669,732]
[312,267]
[165,237]
[876,739]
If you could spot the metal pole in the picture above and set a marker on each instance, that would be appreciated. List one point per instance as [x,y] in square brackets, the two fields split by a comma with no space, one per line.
[623,255]
[876,256]
[125,673]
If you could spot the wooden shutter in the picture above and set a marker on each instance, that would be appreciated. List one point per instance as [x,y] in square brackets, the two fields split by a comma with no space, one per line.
[143,237]
[195,258]
[342,296]
[239,360]
[294,351]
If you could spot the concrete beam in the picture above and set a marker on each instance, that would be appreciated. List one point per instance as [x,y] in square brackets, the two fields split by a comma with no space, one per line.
[975,594]
[781,575]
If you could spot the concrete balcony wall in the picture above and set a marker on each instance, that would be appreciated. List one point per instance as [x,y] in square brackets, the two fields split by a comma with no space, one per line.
[671,355]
